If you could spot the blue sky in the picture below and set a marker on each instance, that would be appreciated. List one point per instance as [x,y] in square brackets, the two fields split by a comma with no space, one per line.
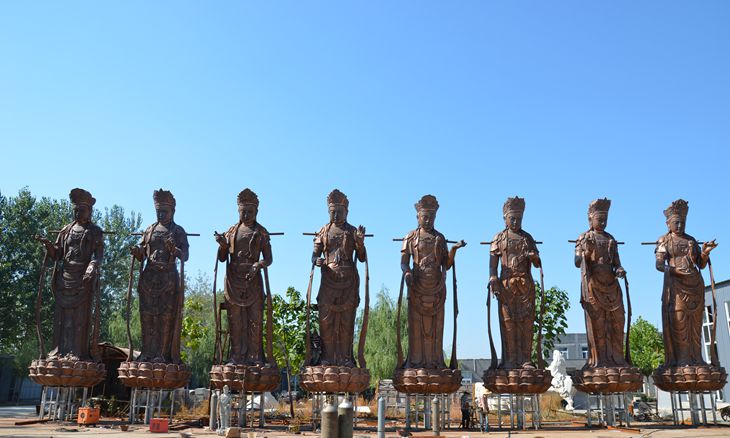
[472,101]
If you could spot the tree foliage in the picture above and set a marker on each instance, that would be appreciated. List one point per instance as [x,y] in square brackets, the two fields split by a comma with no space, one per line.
[554,320]
[290,318]
[381,342]
[646,345]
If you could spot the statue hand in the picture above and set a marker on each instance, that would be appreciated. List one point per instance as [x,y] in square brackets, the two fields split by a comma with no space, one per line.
[319,262]
[708,246]
[360,235]
[255,268]
[170,245]
[459,244]
[221,239]
[408,277]
[136,251]
[89,274]
[47,243]
[620,272]
[534,258]
[495,286]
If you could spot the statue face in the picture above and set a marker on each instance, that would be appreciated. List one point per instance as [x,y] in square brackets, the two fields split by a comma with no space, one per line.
[338,214]
[513,221]
[676,224]
[164,213]
[247,214]
[598,221]
[426,219]
[82,213]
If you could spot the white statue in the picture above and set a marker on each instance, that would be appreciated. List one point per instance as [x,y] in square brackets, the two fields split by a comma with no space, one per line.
[224,410]
[561,383]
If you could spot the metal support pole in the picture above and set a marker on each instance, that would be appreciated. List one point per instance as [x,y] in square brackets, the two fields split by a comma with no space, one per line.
[408,412]
[702,408]
[693,408]
[242,409]
[426,414]
[674,408]
[499,411]
[511,412]
[681,409]
[159,404]
[381,417]
[435,416]
[714,408]
[262,416]
[589,415]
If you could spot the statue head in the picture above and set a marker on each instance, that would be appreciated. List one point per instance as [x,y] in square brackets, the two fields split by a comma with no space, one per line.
[338,207]
[426,209]
[164,206]
[82,203]
[598,214]
[676,215]
[512,211]
[248,207]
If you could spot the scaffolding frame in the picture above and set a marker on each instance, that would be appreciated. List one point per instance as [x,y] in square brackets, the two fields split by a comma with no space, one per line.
[62,402]
[519,406]
[695,406]
[610,407]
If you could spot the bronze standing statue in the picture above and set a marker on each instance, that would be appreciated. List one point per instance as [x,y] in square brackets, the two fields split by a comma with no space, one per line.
[514,288]
[246,250]
[424,369]
[337,248]
[161,300]
[77,254]
[679,257]
[608,369]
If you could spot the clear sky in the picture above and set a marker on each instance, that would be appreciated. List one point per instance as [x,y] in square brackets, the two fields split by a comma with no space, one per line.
[472,101]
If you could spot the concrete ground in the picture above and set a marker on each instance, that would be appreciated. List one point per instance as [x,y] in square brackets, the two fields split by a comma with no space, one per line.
[110,429]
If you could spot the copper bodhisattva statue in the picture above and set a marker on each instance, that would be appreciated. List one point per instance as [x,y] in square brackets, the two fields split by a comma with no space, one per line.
[77,254]
[596,254]
[337,246]
[514,288]
[161,300]
[246,250]
[426,282]
[679,257]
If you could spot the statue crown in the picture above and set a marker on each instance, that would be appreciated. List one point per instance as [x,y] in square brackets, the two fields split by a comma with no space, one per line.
[680,207]
[163,197]
[599,206]
[336,197]
[81,196]
[247,196]
[427,202]
[515,204]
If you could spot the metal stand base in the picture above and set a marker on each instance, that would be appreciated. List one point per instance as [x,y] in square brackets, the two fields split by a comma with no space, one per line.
[519,406]
[61,403]
[610,409]
[695,406]
[147,403]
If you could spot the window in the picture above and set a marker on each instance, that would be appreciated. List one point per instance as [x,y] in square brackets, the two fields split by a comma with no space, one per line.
[707,318]
[584,352]
[727,314]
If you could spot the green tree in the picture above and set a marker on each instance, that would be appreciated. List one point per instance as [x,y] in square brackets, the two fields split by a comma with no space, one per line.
[289,322]
[198,329]
[554,320]
[381,342]
[117,259]
[646,345]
